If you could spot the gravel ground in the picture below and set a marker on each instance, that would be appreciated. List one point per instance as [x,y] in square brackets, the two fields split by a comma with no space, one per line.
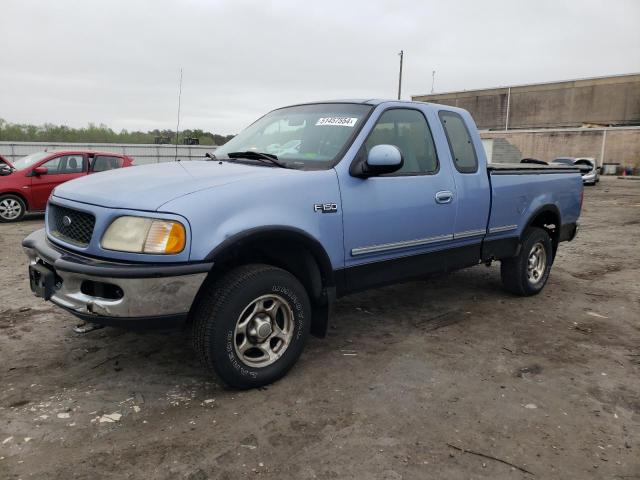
[411,380]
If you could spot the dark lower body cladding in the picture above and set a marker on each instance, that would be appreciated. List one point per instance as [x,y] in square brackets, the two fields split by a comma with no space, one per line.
[388,272]
[111,293]
[410,267]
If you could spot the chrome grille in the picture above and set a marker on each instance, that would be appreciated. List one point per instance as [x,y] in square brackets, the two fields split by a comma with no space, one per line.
[72,226]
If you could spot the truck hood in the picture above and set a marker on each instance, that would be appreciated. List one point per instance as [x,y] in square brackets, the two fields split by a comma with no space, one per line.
[148,187]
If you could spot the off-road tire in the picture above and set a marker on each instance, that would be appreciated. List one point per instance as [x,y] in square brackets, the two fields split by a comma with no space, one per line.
[514,270]
[218,309]
[15,200]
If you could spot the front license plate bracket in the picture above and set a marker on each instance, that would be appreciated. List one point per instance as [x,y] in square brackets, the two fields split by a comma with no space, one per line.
[42,280]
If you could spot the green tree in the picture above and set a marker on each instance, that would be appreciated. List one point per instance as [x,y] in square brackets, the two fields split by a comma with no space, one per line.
[99,134]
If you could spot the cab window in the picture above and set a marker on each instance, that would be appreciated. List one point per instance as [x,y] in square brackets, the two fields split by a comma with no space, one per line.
[460,143]
[408,130]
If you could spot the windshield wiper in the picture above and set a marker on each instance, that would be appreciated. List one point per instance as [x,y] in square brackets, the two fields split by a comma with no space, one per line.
[260,156]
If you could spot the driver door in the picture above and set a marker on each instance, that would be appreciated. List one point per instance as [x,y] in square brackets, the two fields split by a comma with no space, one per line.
[397,225]
[59,170]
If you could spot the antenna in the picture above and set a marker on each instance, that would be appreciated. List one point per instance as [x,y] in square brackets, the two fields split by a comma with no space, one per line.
[178,123]
[400,75]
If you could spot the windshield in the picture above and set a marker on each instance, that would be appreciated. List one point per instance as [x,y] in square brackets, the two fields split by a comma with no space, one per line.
[29,160]
[304,136]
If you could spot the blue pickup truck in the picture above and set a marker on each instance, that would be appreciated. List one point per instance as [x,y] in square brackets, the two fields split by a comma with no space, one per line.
[252,246]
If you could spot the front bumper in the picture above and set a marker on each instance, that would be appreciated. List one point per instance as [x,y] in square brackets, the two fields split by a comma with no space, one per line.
[113,293]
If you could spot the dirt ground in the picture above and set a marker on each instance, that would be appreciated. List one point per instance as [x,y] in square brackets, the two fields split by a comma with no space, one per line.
[410,379]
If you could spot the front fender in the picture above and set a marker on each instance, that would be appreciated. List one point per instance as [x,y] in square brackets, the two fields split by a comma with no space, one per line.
[220,214]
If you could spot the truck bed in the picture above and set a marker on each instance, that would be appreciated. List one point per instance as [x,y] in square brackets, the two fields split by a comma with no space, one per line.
[520,190]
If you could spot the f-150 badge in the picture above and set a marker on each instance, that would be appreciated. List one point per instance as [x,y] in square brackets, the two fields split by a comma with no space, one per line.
[325,207]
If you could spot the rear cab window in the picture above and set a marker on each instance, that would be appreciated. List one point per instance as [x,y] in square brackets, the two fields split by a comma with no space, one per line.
[461,146]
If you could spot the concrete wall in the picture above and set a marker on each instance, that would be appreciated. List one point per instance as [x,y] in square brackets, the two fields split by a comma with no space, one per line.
[603,101]
[621,145]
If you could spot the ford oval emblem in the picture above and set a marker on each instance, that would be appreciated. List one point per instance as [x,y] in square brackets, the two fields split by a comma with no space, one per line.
[66,221]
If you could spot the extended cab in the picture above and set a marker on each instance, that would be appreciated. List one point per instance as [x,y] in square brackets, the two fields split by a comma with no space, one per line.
[25,185]
[309,203]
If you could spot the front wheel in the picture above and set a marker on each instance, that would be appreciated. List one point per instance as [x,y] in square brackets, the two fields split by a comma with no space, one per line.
[251,325]
[527,273]
[12,208]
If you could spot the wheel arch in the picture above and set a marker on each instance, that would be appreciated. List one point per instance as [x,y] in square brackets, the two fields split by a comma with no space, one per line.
[546,217]
[288,248]
[20,195]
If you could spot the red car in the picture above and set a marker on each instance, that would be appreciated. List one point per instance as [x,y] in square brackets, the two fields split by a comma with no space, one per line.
[27,183]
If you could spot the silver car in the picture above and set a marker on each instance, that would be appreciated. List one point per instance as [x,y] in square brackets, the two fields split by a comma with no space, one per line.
[588,169]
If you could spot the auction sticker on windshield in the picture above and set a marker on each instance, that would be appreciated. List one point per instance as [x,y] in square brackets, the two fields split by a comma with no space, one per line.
[337,121]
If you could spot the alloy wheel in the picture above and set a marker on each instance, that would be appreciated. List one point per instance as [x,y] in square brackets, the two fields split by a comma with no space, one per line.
[264,330]
[10,209]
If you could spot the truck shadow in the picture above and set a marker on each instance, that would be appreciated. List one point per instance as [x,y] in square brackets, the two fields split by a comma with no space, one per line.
[386,315]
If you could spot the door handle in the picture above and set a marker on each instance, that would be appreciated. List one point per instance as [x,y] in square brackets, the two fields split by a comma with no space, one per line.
[444,196]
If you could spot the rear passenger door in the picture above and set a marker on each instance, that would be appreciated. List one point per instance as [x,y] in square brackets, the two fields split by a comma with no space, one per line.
[392,221]
[472,184]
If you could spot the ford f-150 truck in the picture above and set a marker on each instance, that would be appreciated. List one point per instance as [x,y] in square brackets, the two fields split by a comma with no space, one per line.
[311,202]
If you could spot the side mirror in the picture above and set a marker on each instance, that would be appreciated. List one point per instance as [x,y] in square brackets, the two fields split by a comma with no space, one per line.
[5,170]
[40,171]
[380,160]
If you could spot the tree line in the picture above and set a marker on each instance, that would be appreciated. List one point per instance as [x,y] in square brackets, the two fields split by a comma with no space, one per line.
[17,132]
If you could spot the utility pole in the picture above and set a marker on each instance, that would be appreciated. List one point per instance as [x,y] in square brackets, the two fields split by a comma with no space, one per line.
[433,79]
[400,76]
[178,124]
[506,120]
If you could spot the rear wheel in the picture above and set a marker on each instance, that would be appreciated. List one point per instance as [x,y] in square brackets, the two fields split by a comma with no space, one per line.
[527,273]
[251,325]
[12,208]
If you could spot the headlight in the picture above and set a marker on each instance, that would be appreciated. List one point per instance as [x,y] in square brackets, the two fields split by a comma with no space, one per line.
[144,235]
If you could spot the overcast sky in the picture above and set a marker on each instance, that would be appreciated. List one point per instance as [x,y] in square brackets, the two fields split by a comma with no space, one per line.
[117,62]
